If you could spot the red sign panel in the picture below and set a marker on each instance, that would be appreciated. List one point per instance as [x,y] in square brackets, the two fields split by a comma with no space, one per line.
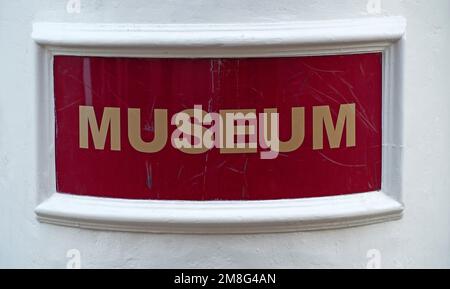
[218,129]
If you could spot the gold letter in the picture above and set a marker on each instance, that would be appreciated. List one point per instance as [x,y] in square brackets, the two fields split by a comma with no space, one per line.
[160,131]
[298,131]
[240,123]
[322,115]
[186,130]
[110,119]
[271,130]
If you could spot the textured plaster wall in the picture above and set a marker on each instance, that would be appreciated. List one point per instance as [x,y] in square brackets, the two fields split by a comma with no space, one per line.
[420,239]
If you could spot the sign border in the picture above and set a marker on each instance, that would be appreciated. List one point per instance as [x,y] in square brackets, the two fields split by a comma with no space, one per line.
[312,38]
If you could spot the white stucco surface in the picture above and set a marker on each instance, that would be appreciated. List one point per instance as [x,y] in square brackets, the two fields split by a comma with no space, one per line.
[420,239]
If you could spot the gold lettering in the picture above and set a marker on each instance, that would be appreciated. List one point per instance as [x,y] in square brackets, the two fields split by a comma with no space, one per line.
[270,120]
[238,123]
[110,121]
[322,116]
[186,130]
[160,131]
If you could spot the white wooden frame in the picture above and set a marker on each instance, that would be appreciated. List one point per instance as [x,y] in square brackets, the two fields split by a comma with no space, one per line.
[223,40]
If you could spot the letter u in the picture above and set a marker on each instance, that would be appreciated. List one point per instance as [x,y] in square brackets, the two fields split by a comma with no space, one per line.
[134,131]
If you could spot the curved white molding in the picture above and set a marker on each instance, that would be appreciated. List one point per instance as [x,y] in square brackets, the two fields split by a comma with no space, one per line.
[240,39]
[219,217]
[383,34]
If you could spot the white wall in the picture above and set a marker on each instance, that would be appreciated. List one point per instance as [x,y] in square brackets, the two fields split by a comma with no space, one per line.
[420,239]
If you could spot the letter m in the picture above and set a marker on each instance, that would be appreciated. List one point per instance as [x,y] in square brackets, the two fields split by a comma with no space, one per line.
[110,121]
[322,117]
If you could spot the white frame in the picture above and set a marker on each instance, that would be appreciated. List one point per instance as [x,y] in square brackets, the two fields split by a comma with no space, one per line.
[223,40]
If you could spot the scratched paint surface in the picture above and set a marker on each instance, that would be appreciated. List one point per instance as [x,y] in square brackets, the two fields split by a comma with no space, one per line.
[178,84]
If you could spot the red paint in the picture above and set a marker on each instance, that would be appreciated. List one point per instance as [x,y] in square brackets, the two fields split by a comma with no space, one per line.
[177,84]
